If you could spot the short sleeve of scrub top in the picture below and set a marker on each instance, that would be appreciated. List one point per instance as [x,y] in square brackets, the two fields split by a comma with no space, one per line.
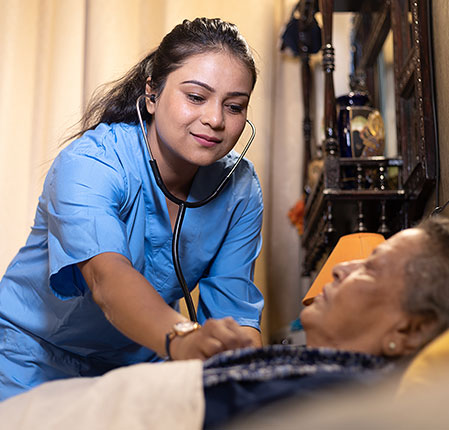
[85,190]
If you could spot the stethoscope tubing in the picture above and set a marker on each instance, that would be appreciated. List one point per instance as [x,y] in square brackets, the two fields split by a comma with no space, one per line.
[183,204]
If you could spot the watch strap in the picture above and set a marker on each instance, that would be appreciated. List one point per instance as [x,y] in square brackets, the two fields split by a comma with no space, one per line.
[168,338]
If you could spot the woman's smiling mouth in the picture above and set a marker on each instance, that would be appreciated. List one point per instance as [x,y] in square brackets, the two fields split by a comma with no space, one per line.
[207,141]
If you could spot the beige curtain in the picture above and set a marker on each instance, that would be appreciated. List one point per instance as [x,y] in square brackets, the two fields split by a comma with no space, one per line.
[54,53]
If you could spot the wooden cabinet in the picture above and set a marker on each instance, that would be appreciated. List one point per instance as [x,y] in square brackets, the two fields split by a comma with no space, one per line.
[399,187]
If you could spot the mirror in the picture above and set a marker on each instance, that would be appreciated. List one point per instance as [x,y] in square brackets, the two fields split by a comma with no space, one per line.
[393,49]
[386,101]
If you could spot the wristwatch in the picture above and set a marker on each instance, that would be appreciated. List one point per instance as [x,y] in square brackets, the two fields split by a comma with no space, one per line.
[182,328]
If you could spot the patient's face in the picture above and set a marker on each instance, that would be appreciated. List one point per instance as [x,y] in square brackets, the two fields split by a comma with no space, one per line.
[361,307]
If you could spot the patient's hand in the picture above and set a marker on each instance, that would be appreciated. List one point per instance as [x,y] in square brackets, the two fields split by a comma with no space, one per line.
[213,337]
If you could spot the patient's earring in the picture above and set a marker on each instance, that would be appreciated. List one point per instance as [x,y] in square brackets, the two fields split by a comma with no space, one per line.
[392,346]
[152,98]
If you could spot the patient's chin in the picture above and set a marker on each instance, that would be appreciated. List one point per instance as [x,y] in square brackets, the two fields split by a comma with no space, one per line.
[307,316]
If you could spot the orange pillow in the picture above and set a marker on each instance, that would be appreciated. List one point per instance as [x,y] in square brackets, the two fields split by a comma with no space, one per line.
[354,246]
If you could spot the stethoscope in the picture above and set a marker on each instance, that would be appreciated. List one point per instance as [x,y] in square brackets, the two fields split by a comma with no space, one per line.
[183,204]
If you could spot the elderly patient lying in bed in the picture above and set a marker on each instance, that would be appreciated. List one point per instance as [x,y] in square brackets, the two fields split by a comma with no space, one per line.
[376,313]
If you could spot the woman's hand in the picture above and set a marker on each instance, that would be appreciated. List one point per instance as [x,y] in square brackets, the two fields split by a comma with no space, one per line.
[213,337]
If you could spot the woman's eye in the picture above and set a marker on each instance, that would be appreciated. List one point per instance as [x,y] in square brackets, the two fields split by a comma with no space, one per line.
[235,108]
[195,98]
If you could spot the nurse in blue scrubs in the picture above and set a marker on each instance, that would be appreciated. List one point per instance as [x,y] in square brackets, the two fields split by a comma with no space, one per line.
[94,288]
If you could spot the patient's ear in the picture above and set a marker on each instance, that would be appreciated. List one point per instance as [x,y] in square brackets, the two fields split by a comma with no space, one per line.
[410,334]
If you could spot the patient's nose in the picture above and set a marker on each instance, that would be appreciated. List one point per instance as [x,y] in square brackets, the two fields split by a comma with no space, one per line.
[341,270]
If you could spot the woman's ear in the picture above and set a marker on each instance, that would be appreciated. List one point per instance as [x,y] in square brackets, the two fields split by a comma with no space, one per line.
[150,102]
[409,336]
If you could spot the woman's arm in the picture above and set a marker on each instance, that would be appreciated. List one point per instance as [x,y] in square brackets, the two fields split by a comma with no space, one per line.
[254,334]
[135,308]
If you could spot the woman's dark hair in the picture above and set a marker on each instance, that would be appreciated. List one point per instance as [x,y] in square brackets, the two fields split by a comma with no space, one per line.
[116,102]
[427,275]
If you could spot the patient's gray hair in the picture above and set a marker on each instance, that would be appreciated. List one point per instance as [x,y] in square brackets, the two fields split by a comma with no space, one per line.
[427,275]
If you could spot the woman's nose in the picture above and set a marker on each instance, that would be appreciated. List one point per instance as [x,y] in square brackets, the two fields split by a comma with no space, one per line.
[342,270]
[213,115]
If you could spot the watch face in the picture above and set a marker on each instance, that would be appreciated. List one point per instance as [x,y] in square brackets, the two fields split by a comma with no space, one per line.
[185,327]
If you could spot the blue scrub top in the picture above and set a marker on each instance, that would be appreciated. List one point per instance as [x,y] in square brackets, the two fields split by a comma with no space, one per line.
[100,196]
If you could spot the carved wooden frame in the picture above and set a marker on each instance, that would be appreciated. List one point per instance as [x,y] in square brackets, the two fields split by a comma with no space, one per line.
[413,85]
